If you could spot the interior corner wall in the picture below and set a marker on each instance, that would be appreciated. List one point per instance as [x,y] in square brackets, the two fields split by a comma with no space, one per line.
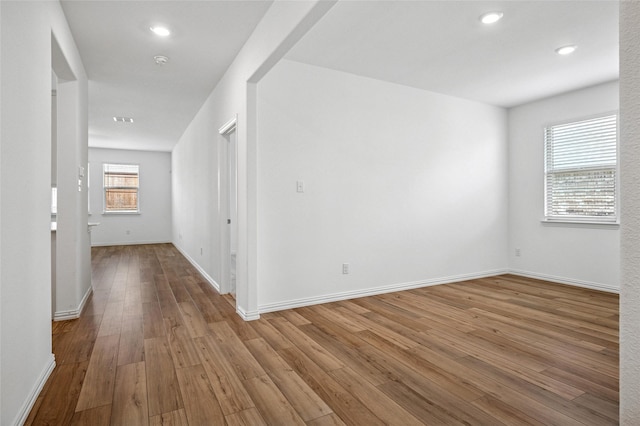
[153,224]
[584,255]
[406,186]
[196,203]
[630,227]
[25,175]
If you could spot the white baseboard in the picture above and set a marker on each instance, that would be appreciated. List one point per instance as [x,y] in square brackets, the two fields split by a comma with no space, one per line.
[247,316]
[206,276]
[315,300]
[35,391]
[327,298]
[567,281]
[126,243]
[73,313]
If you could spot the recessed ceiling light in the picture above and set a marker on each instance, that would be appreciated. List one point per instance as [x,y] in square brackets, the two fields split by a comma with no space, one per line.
[161,31]
[566,50]
[491,17]
[123,119]
[160,59]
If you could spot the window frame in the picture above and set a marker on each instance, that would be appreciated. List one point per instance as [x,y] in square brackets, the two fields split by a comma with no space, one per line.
[578,219]
[105,211]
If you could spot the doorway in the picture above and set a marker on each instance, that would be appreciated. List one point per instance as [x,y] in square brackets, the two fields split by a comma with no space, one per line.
[229,205]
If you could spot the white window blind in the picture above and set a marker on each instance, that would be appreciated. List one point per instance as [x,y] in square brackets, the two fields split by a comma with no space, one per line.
[580,170]
[121,184]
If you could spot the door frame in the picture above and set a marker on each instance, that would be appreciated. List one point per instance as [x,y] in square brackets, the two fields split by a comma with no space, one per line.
[224,198]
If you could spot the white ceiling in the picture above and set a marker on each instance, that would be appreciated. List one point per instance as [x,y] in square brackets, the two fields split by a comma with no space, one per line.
[442,46]
[117,49]
[434,45]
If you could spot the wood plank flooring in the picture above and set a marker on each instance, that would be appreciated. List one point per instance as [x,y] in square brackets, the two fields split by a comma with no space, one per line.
[157,345]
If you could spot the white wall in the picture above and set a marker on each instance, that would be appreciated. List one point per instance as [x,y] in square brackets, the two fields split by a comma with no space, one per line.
[73,256]
[26,316]
[196,204]
[587,255]
[407,186]
[1,209]
[153,224]
[25,176]
[196,159]
[630,154]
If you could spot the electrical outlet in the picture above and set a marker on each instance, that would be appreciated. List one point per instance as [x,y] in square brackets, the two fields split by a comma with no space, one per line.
[345,268]
[517,252]
[300,186]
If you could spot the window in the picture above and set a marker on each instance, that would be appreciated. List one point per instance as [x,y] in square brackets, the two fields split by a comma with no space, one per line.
[581,170]
[121,184]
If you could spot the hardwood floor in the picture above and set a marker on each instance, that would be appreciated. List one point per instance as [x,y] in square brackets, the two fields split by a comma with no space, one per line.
[157,345]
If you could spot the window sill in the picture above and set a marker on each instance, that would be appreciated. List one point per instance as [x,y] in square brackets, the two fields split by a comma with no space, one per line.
[579,223]
[120,213]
